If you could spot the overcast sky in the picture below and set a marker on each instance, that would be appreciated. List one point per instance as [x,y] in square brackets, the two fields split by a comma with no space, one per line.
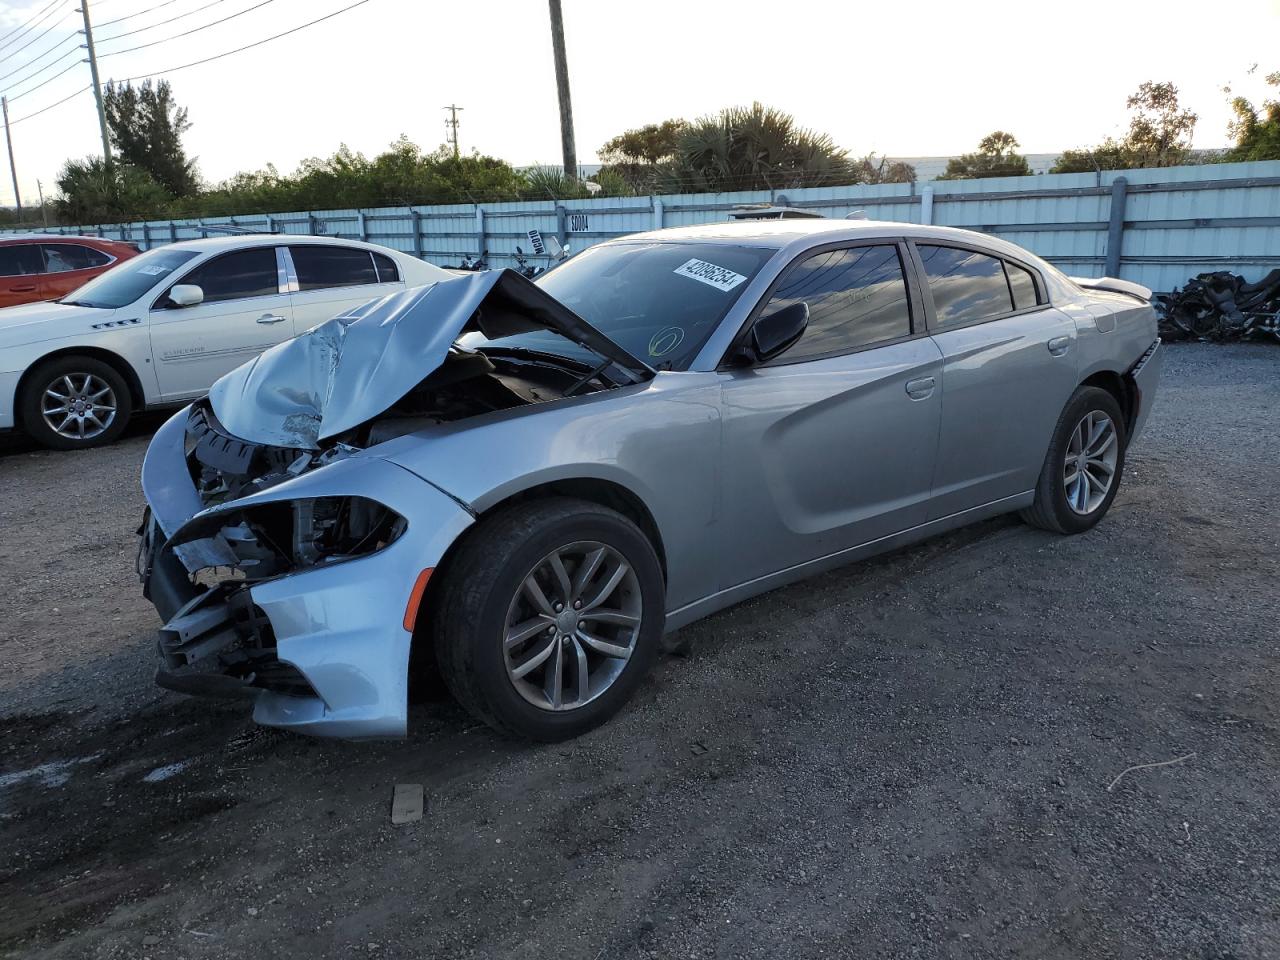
[907,79]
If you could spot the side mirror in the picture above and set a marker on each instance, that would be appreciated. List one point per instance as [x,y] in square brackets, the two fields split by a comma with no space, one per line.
[185,295]
[776,332]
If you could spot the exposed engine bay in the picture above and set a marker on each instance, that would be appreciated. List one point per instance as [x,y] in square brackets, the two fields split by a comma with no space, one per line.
[469,383]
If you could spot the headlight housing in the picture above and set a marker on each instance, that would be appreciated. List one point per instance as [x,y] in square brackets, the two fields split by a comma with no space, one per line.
[284,536]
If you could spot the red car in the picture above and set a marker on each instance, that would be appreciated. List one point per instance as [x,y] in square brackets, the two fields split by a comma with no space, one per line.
[48,267]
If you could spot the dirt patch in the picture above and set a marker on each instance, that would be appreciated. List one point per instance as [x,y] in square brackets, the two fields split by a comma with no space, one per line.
[908,757]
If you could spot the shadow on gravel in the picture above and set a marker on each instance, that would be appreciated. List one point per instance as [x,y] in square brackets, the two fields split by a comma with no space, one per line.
[12,442]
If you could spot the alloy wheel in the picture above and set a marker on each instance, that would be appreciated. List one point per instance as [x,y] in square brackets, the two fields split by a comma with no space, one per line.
[78,406]
[572,626]
[1089,467]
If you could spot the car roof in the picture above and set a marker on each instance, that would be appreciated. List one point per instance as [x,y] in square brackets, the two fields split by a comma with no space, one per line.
[777,234]
[52,238]
[241,240]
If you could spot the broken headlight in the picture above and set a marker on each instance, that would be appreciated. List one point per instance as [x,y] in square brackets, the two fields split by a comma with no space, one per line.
[274,538]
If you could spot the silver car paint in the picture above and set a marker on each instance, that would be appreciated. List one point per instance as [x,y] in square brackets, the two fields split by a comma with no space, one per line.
[753,478]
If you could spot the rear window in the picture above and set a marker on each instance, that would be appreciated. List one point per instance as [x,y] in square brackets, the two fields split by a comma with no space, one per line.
[127,281]
[20,260]
[1022,285]
[319,266]
[967,286]
[64,257]
[387,271]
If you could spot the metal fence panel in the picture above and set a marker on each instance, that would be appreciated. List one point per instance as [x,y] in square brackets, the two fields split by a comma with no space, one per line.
[1177,221]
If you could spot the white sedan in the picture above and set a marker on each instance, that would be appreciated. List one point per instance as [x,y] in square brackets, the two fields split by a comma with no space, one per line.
[160,328]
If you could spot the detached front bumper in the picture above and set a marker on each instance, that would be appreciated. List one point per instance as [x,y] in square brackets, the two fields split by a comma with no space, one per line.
[322,650]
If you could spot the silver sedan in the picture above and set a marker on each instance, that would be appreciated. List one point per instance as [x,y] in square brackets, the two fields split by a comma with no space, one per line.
[522,485]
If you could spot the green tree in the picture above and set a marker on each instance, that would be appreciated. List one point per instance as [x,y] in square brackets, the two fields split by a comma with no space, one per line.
[997,156]
[146,127]
[91,192]
[1256,130]
[1159,135]
[651,144]
[752,148]
[634,156]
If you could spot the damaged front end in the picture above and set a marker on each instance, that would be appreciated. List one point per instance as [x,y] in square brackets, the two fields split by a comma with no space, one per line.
[216,641]
[281,550]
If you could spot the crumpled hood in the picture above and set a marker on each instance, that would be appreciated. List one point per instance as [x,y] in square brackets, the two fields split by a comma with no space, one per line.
[47,320]
[354,367]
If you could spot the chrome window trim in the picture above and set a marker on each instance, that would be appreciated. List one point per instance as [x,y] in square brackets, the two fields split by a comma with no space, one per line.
[286,273]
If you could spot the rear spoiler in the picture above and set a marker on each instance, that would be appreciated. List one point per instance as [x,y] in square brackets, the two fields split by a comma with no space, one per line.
[1112,285]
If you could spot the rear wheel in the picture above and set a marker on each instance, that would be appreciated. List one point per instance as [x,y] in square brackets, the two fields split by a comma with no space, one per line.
[71,403]
[550,615]
[1082,470]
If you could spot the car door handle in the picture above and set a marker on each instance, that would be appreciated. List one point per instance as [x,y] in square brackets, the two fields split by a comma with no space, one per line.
[920,389]
[271,318]
[1059,345]
[25,288]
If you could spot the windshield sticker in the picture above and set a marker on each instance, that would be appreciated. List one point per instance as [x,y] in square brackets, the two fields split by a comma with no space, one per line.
[154,271]
[708,273]
[666,340]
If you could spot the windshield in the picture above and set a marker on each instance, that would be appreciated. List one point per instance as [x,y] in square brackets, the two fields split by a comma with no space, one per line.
[125,283]
[659,301]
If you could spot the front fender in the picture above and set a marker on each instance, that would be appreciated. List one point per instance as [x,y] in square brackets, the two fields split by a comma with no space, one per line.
[661,443]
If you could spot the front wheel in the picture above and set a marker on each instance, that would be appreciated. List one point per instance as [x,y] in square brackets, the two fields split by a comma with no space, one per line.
[1082,470]
[71,403]
[549,617]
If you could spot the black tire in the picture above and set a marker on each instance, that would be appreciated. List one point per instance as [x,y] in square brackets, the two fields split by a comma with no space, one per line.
[47,373]
[1050,510]
[469,618]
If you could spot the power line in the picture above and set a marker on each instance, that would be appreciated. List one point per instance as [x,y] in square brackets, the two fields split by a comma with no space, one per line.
[68,67]
[248,46]
[5,41]
[161,23]
[185,33]
[132,15]
[196,63]
[60,43]
[53,26]
[59,103]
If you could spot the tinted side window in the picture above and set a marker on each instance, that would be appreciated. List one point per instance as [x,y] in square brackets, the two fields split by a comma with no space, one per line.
[966,286]
[20,260]
[321,266]
[387,272]
[61,257]
[234,276]
[856,297]
[1023,286]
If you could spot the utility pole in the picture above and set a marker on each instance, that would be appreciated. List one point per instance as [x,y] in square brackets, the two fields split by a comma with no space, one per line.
[97,87]
[451,125]
[562,89]
[8,138]
[44,214]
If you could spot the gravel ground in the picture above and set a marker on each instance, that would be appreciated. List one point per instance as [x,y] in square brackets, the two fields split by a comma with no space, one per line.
[909,757]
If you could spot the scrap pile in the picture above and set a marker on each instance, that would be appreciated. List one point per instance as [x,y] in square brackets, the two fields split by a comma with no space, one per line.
[1221,306]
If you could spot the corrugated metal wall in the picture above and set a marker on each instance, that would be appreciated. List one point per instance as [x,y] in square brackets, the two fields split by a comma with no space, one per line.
[1177,221]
